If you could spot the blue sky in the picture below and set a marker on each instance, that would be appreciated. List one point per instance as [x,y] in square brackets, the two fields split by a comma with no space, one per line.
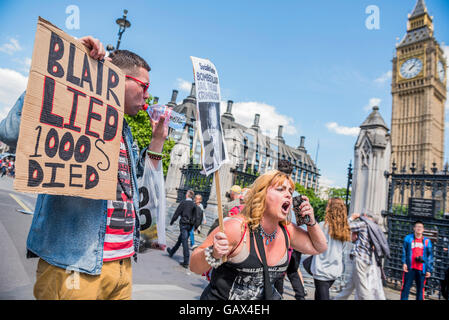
[312,66]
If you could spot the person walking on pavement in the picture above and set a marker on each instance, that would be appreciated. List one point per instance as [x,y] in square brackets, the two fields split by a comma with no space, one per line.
[186,210]
[199,219]
[417,261]
[361,254]
[328,266]
[234,200]
[5,164]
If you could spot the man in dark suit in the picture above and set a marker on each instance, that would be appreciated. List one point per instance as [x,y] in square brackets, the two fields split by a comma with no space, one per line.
[186,210]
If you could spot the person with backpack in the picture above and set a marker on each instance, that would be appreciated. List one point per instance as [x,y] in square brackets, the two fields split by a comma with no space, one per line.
[186,210]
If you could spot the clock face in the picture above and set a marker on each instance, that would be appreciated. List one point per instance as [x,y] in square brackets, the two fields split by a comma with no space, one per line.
[411,68]
[440,70]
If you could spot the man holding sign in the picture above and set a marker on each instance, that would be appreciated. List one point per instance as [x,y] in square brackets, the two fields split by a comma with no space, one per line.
[85,245]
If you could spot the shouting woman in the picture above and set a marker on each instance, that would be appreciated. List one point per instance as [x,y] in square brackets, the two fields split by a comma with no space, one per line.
[256,243]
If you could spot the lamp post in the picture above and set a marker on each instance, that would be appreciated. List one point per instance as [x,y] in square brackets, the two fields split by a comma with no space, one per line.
[123,23]
[349,183]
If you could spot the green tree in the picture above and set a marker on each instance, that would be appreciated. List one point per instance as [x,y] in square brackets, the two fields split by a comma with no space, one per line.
[339,193]
[141,129]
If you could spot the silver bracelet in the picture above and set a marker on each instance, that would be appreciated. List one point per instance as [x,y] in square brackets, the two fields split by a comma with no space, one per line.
[213,262]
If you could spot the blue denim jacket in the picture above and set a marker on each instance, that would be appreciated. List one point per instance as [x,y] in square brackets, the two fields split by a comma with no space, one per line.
[69,232]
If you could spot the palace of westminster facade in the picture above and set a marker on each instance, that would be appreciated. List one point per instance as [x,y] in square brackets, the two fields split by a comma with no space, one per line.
[249,150]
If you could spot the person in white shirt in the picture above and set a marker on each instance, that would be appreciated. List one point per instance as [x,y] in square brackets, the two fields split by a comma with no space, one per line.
[328,266]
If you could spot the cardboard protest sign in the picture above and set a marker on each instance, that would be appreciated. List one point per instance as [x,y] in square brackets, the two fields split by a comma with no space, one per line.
[207,88]
[71,120]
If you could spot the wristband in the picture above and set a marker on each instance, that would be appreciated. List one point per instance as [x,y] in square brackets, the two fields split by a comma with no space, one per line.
[154,155]
[311,225]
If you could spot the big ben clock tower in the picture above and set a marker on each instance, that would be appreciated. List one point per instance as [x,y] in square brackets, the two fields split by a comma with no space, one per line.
[419,94]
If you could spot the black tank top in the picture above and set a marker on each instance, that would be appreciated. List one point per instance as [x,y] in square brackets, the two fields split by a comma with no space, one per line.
[244,280]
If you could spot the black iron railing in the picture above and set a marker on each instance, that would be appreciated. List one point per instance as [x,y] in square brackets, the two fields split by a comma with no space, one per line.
[243,179]
[432,189]
[193,179]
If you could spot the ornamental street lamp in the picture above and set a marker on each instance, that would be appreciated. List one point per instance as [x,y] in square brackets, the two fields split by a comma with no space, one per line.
[123,23]
[349,183]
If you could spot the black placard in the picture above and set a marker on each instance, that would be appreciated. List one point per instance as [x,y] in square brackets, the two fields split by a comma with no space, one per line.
[420,207]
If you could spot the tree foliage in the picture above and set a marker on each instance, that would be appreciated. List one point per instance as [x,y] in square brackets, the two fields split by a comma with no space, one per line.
[338,193]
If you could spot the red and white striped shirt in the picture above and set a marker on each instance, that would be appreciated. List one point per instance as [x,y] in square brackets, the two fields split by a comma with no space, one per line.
[118,242]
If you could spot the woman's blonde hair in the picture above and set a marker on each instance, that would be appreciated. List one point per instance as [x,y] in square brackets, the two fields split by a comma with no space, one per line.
[337,220]
[256,195]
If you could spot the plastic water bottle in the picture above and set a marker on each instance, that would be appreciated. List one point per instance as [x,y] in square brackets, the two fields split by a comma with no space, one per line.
[175,120]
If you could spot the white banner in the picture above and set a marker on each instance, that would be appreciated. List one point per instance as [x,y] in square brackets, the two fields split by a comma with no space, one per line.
[207,88]
[152,205]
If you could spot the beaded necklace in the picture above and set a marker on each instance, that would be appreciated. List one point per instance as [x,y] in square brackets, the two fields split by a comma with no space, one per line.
[268,237]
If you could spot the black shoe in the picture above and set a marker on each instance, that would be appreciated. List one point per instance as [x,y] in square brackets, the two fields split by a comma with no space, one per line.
[184,265]
[170,253]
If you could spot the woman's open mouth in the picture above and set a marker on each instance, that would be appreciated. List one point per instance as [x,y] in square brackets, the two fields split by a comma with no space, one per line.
[286,206]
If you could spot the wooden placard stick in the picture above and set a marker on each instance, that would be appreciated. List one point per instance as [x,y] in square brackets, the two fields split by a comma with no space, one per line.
[220,208]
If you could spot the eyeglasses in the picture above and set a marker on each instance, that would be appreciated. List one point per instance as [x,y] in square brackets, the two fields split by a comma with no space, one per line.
[144,85]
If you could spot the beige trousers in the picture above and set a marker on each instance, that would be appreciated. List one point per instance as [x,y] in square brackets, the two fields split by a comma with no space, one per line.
[358,282]
[114,282]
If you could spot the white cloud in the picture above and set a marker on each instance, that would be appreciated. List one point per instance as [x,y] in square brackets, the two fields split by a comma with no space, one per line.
[446,54]
[372,103]
[326,182]
[346,131]
[12,84]
[384,77]
[11,47]
[270,119]
[183,85]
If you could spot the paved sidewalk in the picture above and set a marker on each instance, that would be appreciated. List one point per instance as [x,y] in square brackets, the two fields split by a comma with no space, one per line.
[156,276]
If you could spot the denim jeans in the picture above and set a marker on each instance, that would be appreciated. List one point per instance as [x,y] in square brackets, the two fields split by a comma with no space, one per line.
[192,237]
[183,239]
